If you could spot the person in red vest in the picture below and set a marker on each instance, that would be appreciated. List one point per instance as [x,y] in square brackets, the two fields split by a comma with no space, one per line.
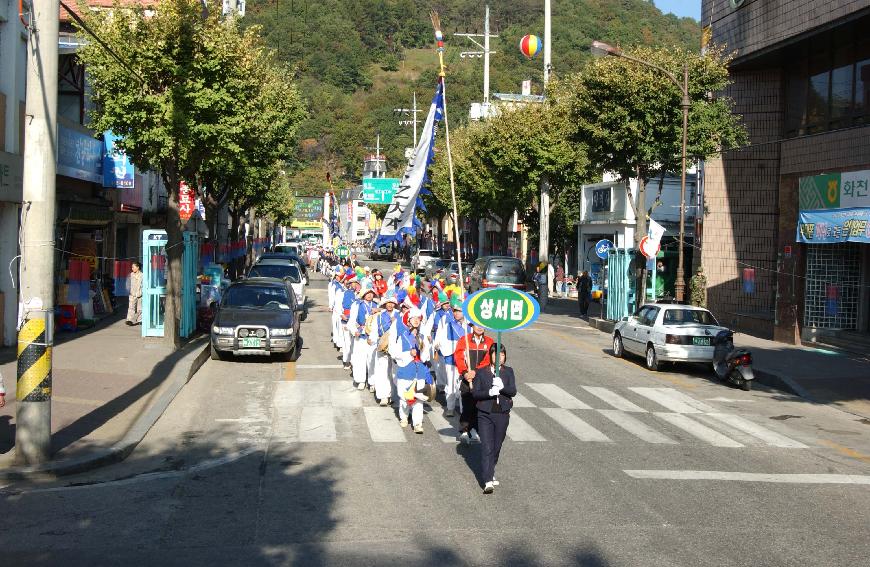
[472,354]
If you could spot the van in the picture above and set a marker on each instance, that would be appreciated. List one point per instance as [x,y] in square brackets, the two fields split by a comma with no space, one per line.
[497,271]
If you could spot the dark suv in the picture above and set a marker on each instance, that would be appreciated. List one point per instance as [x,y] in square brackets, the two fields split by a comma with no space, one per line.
[497,271]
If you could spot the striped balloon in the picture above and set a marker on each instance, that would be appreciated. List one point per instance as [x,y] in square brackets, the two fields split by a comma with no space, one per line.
[530,46]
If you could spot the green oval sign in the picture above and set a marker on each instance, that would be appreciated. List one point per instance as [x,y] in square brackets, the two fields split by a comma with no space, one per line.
[341,251]
[501,309]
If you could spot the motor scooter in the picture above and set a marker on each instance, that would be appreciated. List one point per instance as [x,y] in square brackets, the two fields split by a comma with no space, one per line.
[731,364]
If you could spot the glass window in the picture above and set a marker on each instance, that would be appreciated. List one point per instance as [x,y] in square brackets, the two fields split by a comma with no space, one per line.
[688,317]
[862,83]
[252,297]
[276,271]
[842,83]
[649,317]
[818,95]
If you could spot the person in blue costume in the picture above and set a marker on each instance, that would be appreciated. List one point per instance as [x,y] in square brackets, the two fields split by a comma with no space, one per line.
[411,352]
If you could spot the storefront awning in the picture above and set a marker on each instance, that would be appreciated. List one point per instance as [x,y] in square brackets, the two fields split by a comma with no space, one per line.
[84,214]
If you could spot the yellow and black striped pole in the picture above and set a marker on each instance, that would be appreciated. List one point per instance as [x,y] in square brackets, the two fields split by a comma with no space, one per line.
[34,362]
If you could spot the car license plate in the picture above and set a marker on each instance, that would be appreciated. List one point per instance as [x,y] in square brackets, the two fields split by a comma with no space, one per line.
[251,342]
[701,341]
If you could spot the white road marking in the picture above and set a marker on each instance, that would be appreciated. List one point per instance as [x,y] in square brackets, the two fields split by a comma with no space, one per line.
[317,366]
[575,426]
[285,425]
[614,399]
[673,400]
[316,394]
[698,430]
[520,401]
[343,395]
[768,436]
[539,322]
[382,425]
[317,424]
[731,400]
[288,395]
[446,431]
[519,430]
[558,396]
[636,427]
[750,477]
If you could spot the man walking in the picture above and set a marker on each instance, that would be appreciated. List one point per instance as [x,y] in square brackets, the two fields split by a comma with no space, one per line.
[134,307]
[584,292]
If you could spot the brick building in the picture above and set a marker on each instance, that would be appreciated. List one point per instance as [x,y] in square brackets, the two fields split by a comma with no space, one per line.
[801,77]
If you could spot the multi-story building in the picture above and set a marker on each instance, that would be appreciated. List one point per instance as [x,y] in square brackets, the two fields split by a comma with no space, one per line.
[801,81]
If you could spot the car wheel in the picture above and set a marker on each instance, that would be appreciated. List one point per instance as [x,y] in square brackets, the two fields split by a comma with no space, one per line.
[214,353]
[297,349]
[746,385]
[618,347]
[652,361]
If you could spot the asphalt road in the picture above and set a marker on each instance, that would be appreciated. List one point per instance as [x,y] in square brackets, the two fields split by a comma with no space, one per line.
[259,462]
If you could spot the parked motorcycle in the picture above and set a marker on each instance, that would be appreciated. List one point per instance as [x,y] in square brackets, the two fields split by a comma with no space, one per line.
[731,364]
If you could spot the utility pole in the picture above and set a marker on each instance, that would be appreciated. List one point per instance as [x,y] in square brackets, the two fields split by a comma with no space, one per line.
[544,209]
[35,334]
[413,121]
[485,53]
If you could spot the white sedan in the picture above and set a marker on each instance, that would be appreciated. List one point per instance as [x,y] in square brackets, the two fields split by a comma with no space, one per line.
[667,332]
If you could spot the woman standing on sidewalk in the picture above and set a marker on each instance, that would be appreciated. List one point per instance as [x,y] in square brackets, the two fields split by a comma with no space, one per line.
[494,398]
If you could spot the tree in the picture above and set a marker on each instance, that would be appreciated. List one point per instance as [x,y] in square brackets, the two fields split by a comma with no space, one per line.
[629,115]
[184,97]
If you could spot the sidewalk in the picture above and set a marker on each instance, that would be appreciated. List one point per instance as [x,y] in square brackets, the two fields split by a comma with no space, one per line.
[109,387]
[837,378]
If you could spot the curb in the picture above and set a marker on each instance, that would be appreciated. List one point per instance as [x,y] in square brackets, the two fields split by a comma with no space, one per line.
[192,361]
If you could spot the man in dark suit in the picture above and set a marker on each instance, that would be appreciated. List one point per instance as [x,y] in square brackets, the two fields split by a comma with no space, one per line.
[493,395]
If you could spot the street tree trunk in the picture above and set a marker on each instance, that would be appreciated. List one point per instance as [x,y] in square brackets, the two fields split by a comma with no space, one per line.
[174,253]
[639,233]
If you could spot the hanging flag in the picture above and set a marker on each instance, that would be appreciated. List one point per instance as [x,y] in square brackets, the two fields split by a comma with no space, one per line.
[400,219]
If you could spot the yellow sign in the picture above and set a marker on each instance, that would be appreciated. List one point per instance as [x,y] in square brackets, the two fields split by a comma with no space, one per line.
[301,224]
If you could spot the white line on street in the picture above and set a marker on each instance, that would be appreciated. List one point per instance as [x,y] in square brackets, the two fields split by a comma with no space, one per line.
[520,430]
[698,430]
[520,401]
[287,395]
[636,427]
[316,393]
[558,396]
[383,427]
[342,394]
[317,424]
[575,426]
[539,322]
[285,425]
[317,366]
[673,400]
[750,477]
[768,436]
[614,399]
[446,430]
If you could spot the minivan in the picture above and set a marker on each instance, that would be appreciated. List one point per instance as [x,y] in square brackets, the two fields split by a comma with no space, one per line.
[497,271]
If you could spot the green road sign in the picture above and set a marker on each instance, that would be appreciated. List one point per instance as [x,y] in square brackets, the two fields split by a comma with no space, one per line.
[380,191]
[342,251]
[501,309]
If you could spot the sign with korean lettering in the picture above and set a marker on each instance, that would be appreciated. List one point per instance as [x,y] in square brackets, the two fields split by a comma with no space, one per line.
[380,191]
[501,309]
[835,191]
[831,227]
[186,202]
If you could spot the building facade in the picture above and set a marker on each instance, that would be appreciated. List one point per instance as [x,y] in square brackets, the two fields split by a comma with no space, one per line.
[801,81]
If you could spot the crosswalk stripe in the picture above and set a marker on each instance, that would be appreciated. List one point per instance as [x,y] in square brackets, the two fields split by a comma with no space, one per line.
[698,430]
[636,427]
[317,424]
[285,425]
[770,437]
[519,430]
[316,393]
[520,401]
[575,426]
[446,430]
[288,395]
[382,425]
[344,395]
[614,399]
[558,396]
[675,401]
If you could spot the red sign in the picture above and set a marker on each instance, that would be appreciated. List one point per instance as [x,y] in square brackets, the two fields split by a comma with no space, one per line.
[649,248]
[186,202]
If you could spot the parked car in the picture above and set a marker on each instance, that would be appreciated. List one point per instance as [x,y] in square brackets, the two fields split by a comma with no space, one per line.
[287,256]
[381,252]
[433,267]
[497,271]
[667,332]
[422,258]
[256,316]
[453,268]
[286,270]
[295,248]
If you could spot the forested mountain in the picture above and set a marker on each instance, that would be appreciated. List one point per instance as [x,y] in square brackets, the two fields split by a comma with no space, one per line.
[356,60]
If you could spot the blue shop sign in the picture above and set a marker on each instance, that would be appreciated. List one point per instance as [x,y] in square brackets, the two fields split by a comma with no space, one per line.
[830,226]
[79,155]
[118,172]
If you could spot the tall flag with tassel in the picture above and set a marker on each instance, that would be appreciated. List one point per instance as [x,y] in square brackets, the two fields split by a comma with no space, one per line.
[400,218]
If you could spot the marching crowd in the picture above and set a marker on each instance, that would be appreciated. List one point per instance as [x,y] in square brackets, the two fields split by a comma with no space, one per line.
[406,340]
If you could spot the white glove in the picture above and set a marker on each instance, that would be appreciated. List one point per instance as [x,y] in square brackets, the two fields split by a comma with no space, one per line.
[496,382]
[494,391]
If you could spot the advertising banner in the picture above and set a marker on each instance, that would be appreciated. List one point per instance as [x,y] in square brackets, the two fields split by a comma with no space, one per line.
[118,172]
[835,191]
[79,155]
[833,226]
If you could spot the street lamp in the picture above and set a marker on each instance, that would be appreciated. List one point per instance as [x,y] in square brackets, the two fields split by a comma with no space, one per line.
[601,49]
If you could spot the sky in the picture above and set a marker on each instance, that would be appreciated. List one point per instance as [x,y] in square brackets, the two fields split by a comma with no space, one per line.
[691,8]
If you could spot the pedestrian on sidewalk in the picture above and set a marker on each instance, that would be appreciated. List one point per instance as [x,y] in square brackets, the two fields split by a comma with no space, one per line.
[493,395]
[471,354]
[584,292]
[2,392]
[541,284]
[560,279]
[134,306]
